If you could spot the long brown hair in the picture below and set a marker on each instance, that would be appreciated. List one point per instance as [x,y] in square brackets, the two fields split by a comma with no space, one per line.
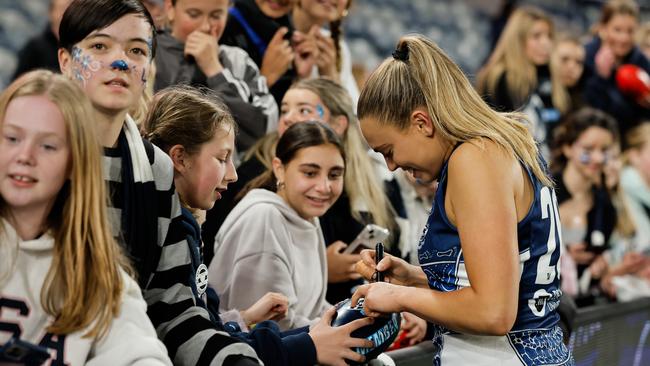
[509,58]
[429,78]
[618,7]
[570,130]
[336,32]
[361,182]
[84,285]
[297,137]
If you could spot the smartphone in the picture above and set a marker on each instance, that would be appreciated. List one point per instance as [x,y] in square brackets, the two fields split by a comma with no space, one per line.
[367,238]
[25,353]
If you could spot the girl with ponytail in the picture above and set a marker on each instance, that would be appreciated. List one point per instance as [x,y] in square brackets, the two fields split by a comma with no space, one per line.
[334,59]
[490,246]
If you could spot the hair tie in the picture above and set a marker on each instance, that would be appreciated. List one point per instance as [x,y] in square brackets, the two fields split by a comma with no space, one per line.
[401,54]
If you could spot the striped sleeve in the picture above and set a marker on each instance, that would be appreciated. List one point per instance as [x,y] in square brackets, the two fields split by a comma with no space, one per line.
[242,74]
[184,327]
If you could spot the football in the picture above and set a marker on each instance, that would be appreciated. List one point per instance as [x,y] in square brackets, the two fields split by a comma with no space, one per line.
[382,332]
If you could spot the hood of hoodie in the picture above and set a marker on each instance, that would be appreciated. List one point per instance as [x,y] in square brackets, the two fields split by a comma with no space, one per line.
[172,67]
[10,239]
[169,44]
[262,196]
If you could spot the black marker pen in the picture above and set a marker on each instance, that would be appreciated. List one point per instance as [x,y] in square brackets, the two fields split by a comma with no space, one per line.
[379,255]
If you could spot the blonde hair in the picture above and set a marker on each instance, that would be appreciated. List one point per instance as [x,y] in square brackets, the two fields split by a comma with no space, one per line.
[84,285]
[360,181]
[429,78]
[642,35]
[625,225]
[555,67]
[139,111]
[509,58]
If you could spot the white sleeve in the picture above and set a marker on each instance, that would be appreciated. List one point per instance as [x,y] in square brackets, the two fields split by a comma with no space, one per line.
[131,338]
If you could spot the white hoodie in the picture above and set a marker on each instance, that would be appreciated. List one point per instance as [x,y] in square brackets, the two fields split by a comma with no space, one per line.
[131,338]
[264,245]
[637,193]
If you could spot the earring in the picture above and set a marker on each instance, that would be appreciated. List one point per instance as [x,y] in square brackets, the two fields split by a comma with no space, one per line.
[344,13]
[279,185]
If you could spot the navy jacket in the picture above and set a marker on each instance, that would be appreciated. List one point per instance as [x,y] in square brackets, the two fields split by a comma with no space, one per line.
[604,93]
[273,347]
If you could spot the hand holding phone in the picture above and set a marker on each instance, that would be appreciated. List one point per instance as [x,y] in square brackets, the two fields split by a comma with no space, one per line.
[17,351]
[367,238]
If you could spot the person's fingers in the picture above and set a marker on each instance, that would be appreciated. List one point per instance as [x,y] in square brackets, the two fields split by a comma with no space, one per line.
[279,307]
[359,293]
[385,263]
[298,37]
[359,323]
[326,46]
[369,312]
[408,325]
[213,32]
[354,276]
[328,315]
[364,270]
[359,342]
[413,332]
[338,246]
[368,256]
[314,30]
[353,356]
[278,37]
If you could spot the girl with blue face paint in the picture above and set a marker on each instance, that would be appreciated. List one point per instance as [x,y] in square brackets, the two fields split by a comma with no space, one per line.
[584,146]
[107,47]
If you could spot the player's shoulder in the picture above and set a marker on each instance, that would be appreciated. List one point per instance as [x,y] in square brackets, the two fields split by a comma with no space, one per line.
[480,153]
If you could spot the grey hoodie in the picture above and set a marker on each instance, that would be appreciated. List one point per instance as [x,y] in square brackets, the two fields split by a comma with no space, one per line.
[263,245]
[240,85]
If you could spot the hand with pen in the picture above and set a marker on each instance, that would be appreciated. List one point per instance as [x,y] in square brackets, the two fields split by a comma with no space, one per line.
[384,297]
[395,270]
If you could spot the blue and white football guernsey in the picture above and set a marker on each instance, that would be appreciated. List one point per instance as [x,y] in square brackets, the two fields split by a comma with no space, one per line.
[536,338]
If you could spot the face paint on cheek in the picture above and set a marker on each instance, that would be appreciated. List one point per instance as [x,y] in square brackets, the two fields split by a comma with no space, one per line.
[84,66]
[320,111]
[142,73]
[584,158]
[143,77]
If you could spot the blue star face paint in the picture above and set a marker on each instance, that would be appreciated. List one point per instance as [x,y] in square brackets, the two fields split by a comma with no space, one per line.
[320,111]
[585,157]
[84,65]
[120,65]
